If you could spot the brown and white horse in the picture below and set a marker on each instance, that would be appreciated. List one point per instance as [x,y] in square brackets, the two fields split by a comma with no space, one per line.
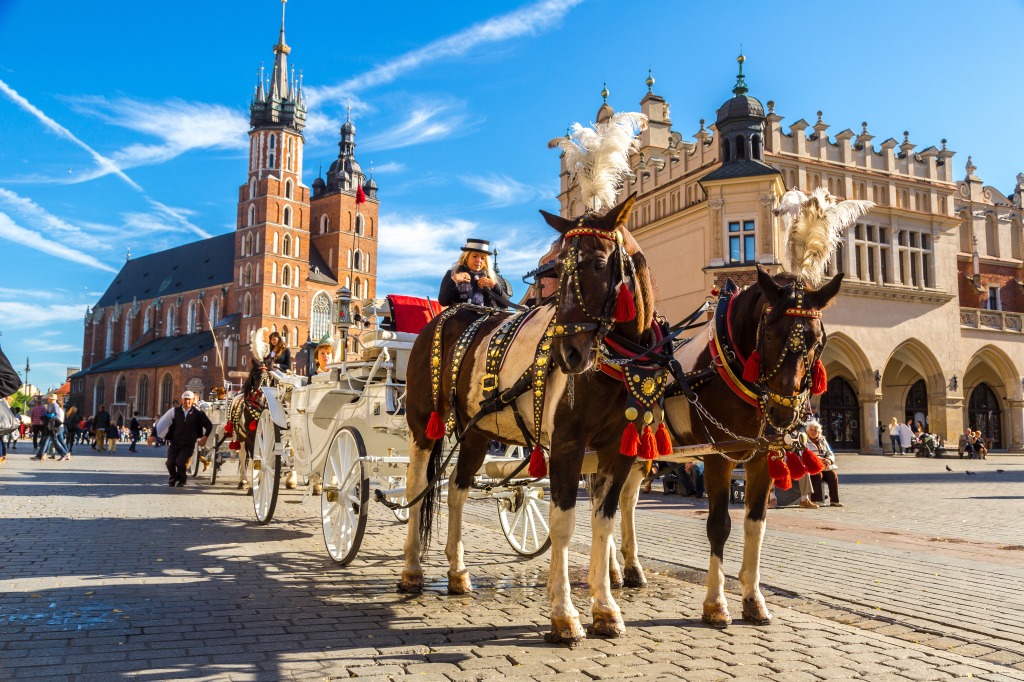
[243,413]
[779,319]
[583,410]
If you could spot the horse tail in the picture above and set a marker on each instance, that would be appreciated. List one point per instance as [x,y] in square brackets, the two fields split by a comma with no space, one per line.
[431,502]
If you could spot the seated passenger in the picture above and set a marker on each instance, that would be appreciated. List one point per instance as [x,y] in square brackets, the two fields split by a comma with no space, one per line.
[323,355]
[280,356]
[472,280]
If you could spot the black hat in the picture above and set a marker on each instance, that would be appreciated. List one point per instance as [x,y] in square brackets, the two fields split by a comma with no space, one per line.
[478,245]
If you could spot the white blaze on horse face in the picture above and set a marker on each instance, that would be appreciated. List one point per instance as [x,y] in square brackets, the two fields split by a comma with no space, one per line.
[750,575]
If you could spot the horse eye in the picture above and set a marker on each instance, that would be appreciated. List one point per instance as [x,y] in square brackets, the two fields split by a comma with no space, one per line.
[600,264]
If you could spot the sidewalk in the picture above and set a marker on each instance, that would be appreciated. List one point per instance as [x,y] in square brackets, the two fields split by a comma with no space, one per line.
[111,575]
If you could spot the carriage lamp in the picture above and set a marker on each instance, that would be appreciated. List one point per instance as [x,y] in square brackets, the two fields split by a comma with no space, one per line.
[878,378]
[343,307]
[953,383]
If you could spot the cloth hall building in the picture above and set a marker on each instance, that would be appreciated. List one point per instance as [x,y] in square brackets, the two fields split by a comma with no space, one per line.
[181,318]
[929,324]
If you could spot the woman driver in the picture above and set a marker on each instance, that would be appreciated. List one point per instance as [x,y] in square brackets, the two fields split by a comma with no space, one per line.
[472,280]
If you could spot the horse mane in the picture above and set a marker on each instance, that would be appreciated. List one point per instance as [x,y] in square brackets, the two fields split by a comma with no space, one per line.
[646,291]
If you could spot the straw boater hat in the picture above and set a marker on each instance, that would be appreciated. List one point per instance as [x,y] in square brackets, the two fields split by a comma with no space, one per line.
[478,245]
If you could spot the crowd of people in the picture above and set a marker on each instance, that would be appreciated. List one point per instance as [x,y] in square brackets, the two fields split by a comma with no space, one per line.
[904,438]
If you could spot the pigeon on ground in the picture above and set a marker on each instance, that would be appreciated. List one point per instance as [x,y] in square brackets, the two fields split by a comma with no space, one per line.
[999,471]
[970,473]
[947,468]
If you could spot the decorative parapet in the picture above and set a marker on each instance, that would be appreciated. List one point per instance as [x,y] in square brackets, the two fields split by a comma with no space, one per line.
[991,320]
[896,293]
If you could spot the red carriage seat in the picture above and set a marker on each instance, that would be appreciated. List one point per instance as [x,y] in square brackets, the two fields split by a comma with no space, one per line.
[410,314]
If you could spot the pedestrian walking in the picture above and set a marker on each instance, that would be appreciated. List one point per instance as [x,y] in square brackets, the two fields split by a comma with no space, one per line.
[906,436]
[135,429]
[181,428]
[36,415]
[112,438]
[53,420]
[100,422]
[894,436]
[71,427]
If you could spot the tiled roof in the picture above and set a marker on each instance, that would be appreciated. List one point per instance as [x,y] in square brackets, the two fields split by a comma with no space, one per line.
[743,168]
[160,352]
[206,263]
[319,270]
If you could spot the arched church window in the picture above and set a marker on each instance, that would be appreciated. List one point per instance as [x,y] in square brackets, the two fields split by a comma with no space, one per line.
[288,188]
[274,249]
[755,143]
[359,224]
[741,147]
[357,260]
[247,280]
[320,316]
[169,329]
[191,317]
[286,243]
[285,307]
[252,188]
[214,312]
[286,276]
[252,215]
[325,224]
[287,216]
[127,341]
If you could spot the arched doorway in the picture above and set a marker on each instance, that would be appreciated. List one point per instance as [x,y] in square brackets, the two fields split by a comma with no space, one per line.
[984,414]
[916,405]
[840,415]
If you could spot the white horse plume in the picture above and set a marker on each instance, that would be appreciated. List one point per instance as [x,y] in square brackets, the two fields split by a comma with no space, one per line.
[813,226]
[258,343]
[598,157]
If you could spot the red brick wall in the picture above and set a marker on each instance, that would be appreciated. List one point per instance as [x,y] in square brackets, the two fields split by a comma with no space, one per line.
[1011,293]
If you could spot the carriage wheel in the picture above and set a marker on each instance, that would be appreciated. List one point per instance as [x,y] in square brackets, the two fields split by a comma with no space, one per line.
[215,464]
[524,521]
[398,482]
[266,469]
[345,497]
[195,458]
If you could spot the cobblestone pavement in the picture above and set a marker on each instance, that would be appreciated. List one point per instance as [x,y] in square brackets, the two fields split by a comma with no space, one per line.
[107,574]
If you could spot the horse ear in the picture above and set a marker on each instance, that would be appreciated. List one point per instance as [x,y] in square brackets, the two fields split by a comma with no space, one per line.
[619,215]
[561,225]
[821,298]
[772,290]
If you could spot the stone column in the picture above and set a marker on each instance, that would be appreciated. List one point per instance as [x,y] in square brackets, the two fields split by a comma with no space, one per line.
[869,424]
[946,417]
[1014,417]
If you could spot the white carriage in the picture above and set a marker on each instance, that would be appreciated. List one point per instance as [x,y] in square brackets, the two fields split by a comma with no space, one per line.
[345,427]
[211,457]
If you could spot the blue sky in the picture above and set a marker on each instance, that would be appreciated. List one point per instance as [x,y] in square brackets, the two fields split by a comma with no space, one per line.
[125,123]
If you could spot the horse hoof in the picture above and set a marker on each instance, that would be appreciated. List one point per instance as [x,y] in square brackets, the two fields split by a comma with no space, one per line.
[241,486]
[411,583]
[634,576]
[607,625]
[566,630]
[460,583]
[615,578]
[248,492]
[755,612]
[717,616]
[292,481]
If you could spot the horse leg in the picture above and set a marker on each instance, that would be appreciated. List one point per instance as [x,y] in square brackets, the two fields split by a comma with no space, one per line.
[415,482]
[758,483]
[717,473]
[633,573]
[565,619]
[471,456]
[607,616]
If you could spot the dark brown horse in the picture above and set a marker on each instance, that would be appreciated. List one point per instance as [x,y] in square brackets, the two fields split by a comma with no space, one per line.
[582,410]
[779,318]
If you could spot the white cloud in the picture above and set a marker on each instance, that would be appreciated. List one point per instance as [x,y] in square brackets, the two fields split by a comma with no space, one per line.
[425,123]
[106,165]
[389,167]
[164,219]
[22,315]
[13,232]
[47,223]
[50,346]
[501,189]
[528,20]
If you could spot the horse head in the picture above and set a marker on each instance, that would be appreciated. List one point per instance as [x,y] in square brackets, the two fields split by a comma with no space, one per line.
[788,342]
[603,283]
[259,376]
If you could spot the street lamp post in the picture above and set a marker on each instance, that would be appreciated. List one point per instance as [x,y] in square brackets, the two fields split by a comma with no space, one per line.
[343,319]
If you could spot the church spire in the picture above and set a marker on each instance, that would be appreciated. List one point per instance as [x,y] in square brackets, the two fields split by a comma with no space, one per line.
[279,78]
[283,104]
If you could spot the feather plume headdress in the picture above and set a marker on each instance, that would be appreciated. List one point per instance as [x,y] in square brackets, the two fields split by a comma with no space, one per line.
[258,344]
[813,226]
[598,157]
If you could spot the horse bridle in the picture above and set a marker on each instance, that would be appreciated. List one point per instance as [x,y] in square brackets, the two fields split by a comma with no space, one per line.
[795,345]
[569,277]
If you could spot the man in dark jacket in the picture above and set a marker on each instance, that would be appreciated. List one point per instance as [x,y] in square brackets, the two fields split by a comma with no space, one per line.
[100,422]
[188,425]
[136,430]
[9,380]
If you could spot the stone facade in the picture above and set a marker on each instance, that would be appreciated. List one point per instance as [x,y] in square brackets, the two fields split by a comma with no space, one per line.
[909,336]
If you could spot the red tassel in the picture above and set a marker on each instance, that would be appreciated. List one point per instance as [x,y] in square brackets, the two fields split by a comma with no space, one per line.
[819,380]
[538,467]
[234,445]
[648,448]
[797,470]
[625,306]
[779,473]
[812,462]
[252,425]
[752,368]
[630,441]
[229,428]
[435,427]
[663,440]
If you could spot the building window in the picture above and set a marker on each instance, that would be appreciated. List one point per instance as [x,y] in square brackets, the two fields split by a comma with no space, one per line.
[214,312]
[287,216]
[166,392]
[142,395]
[252,188]
[109,350]
[320,316]
[359,224]
[192,317]
[741,242]
[325,224]
[284,305]
[127,333]
[284,334]
[286,243]
[247,306]
[147,320]
[121,390]
[286,276]
[992,303]
[357,260]
[252,215]
[871,253]
[169,329]
[288,184]
[99,394]
[247,279]
[914,259]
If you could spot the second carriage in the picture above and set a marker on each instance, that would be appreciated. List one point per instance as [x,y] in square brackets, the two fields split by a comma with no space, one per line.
[344,428]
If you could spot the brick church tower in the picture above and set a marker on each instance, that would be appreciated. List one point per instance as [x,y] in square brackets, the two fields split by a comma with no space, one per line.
[285,273]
